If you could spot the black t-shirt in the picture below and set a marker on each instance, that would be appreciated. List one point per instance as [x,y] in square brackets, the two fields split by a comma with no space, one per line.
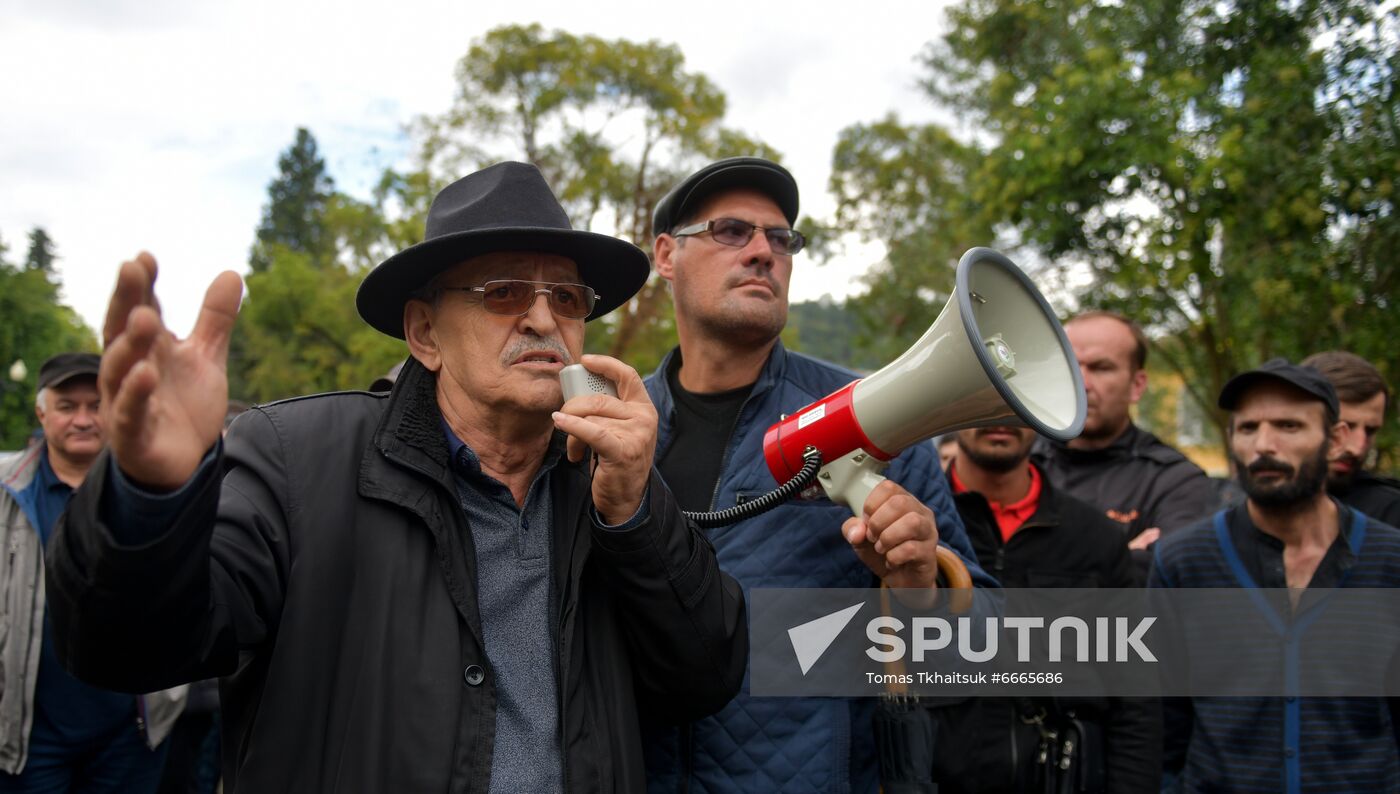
[703,423]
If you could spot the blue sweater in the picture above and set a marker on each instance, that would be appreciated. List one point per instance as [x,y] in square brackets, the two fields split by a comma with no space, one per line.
[1290,744]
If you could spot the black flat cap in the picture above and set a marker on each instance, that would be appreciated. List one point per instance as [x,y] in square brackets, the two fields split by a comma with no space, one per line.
[65,366]
[757,173]
[1305,378]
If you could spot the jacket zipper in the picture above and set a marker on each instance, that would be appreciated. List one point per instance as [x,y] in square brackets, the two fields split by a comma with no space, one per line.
[999,562]
[728,440]
[686,749]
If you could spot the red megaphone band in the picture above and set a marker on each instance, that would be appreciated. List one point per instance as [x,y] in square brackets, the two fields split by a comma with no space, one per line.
[828,424]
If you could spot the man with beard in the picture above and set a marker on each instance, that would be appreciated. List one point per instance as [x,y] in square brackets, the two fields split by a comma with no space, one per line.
[1027,534]
[724,239]
[1364,399]
[1137,480]
[1288,534]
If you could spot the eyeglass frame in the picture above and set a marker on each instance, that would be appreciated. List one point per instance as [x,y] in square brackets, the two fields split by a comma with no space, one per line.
[708,226]
[591,296]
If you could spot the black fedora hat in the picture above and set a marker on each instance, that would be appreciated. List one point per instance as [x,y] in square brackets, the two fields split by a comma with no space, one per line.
[505,207]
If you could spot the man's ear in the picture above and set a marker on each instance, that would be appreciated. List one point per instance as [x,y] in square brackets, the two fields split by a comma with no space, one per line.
[1139,385]
[419,332]
[662,251]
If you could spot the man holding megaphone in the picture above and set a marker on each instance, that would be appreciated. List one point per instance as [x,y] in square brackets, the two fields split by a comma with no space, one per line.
[724,239]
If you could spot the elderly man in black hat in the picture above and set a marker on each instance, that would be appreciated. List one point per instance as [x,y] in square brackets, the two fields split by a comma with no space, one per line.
[433,589]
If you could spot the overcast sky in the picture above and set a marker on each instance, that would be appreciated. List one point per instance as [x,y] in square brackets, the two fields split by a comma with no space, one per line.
[156,124]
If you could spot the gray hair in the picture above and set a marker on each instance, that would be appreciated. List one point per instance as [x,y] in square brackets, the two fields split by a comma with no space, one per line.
[41,400]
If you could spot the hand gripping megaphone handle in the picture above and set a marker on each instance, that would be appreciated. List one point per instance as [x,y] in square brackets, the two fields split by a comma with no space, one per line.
[849,480]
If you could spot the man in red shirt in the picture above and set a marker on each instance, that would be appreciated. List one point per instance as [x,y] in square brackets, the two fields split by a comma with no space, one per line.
[1027,534]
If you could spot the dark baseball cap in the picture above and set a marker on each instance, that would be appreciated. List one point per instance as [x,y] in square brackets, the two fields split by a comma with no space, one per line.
[1305,378]
[65,366]
[757,173]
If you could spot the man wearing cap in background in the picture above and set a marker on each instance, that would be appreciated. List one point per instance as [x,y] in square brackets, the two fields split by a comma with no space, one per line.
[1363,398]
[724,239]
[1288,534]
[56,732]
[427,590]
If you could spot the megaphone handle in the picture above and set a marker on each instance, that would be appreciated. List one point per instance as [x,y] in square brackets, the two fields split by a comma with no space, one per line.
[849,479]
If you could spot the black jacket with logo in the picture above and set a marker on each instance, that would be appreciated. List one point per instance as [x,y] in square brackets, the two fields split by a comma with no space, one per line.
[1138,481]
[330,580]
[1065,543]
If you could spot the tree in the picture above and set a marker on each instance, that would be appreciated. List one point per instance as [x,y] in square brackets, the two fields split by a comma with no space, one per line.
[1221,171]
[611,123]
[302,333]
[298,200]
[299,332]
[909,187]
[41,254]
[36,326]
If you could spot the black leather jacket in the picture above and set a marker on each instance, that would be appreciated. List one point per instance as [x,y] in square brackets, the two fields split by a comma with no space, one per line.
[330,582]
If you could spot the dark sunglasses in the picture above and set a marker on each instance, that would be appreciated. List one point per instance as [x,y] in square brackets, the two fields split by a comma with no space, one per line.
[737,233]
[514,298]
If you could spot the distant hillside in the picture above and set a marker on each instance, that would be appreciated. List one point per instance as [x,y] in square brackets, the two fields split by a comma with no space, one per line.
[825,329]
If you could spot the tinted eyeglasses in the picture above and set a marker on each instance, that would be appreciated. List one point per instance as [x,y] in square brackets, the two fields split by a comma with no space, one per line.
[737,233]
[514,298]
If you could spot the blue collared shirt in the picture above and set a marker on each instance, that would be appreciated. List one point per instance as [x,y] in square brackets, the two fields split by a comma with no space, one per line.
[514,582]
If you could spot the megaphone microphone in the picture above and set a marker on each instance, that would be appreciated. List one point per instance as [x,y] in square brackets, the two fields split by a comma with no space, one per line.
[996,355]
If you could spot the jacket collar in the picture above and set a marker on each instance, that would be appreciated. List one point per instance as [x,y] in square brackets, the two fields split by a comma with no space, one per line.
[1124,446]
[409,441]
[1047,510]
[410,430]
[773,371]
[17,471]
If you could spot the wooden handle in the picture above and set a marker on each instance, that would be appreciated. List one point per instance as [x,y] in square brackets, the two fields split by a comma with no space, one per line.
[956,580]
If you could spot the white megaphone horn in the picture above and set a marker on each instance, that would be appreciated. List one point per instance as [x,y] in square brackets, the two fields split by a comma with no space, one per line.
[996,355]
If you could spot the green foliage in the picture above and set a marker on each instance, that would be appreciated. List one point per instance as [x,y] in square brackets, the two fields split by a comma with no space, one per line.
[302,332]
[35,326]
[1223,172]
[611,123]
[908,187]
[827,329]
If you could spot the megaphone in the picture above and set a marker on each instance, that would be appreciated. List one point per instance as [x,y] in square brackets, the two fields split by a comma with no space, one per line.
[996,355]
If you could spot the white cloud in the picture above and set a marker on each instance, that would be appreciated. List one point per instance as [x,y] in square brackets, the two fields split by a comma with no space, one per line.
[157,124]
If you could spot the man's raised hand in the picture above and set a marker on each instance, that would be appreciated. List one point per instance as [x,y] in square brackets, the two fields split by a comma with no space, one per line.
[163,398]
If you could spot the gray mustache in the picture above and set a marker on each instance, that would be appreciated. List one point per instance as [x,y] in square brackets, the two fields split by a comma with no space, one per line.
[529,344]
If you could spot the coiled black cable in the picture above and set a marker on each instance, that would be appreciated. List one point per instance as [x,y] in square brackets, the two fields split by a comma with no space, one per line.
[811,464]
